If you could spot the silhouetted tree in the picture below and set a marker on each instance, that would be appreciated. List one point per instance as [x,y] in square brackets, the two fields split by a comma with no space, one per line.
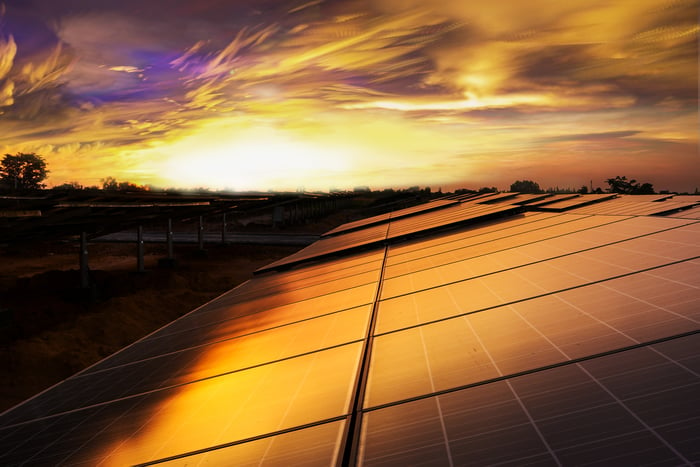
[109,183]
[485,189]
[629,187]
[583,190]
[23,171]
[645,189]
[525,186]
[68,186]
[112,184]
[128,186]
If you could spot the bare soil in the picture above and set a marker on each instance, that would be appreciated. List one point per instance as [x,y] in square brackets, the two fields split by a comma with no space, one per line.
[50,328]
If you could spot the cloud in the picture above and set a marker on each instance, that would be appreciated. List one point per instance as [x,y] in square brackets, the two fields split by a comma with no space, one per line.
[590,136]
[8,51]
[501,79]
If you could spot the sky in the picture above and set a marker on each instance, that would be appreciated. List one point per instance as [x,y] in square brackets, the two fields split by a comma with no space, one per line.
[322,94]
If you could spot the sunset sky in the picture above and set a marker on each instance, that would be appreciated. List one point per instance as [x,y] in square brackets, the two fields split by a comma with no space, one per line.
[273,94]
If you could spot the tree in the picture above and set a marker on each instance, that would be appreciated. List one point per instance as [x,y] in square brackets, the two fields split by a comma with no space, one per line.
[69,186]
[629,187]
[525,186]
[112,184]
[486,189]
[23,171]
[109,183]
[645,189]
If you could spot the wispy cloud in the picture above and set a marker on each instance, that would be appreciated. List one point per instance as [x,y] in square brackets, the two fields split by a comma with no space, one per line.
[487,83]
[590,136]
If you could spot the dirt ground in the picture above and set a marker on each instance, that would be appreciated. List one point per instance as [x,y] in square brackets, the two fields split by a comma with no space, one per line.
[50,328]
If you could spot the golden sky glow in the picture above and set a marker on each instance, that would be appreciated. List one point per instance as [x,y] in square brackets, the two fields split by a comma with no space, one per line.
[340,93]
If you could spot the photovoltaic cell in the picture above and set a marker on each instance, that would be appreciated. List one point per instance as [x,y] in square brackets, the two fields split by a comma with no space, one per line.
[309,447]
[191,364]
[499,198]
[566,204]
[632,206]
[693,213]
[332,245]
[419,304]
[310,274]
[500,336]
[378,234]
[533,333]
[491,230]
[483,249]
[222,309]
[554,199]
[448,216]
[178,420]
[565,415]
[394,215]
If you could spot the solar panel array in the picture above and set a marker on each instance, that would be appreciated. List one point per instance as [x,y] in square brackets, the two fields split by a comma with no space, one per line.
[384,218]
[447,215]
[514,337]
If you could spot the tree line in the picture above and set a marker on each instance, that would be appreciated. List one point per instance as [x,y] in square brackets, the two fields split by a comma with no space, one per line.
[618,184]
[27,171]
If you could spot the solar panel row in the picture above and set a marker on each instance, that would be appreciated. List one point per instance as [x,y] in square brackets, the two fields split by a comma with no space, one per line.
[533,338]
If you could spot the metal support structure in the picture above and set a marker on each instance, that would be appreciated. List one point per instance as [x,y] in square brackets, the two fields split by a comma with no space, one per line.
[200,233]
[84,269]
[277,216]
[223,228]
[139,250]
[169,239]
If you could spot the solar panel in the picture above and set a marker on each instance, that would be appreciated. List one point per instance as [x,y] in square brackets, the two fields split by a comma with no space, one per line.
[384,218]
[187,418]
[492,336]
[530,198]
[555,199]
[571,414]
[637,205]
[483,241]
[499,198]
[692,213]
[479,345]
[376,235]
[566,204]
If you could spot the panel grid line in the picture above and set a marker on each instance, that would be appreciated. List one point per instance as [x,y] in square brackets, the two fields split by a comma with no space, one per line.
[174,352]
[351,441]
[508,248]
[173,386]
[445,438]
[534,370]
[467,236]
[241,441]
[481,310]
[635,416]
[446,284]
[534,425]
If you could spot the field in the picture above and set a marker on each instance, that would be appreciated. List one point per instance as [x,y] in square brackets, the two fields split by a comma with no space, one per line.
[51,329]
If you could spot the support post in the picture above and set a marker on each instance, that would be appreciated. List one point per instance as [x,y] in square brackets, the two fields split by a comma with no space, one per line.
[169,261]
[169,239]
[223,228]
[200,233]
[139,249]
[84,269]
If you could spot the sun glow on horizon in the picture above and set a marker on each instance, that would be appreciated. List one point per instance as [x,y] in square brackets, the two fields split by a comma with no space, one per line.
[343,94]
[249,158]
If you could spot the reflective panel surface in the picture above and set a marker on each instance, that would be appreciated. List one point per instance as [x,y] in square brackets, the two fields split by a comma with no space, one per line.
[601,411]
[481,332]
